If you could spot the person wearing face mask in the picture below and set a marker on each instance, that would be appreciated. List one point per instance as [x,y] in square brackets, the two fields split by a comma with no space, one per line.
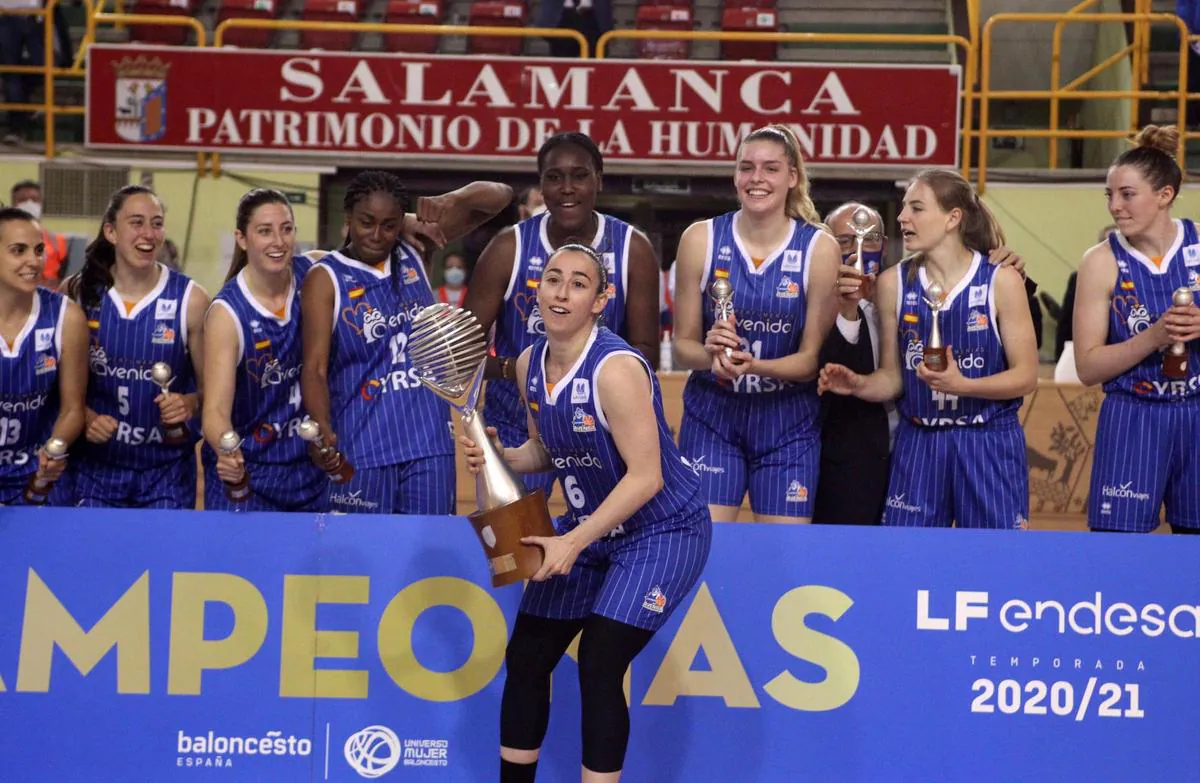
[1126,323]
[139,450]
[453,290]
[252,358]
[27,196]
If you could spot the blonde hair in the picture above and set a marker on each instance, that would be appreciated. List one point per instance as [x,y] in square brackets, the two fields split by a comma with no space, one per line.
[979,228]
[799,204]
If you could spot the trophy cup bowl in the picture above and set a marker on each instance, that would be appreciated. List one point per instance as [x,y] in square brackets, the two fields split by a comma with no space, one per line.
[161,374]
[448,350]
[37,492]
[721,291]
[238,491]
[1175,358]
[935,355]
[861,225]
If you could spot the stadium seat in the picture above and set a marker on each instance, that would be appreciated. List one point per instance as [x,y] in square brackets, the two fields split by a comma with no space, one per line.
[329,11]
[248,37]
[660,16]
[412,12]
[170,35]
[486,13]
[749,20]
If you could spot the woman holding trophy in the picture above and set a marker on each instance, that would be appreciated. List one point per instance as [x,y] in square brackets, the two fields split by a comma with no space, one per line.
[636,535]
[43,369]
[957,347]
[383,438]
[255,460]
[146,356]
[750,406]
[1135,331]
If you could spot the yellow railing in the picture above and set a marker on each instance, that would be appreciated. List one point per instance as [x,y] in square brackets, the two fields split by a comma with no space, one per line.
[976,53]
[1071,90]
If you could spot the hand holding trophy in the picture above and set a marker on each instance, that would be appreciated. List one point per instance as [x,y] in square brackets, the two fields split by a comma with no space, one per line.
[173,434]
[448,349]
[935,356]
[1175,358]
[721,292]
[863,227]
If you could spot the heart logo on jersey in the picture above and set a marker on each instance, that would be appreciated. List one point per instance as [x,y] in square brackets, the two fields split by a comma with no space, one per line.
[353,316]
[259,366]
[525,302]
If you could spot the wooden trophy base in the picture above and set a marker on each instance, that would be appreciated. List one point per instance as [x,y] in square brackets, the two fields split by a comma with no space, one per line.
[500,530]
[176,435]
[935,359]
[1175,365]
[239,492]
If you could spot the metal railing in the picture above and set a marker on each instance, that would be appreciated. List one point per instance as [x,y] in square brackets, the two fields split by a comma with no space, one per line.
[975,54]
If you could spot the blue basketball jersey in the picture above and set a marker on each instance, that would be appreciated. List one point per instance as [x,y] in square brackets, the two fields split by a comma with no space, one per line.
[125,344]
[1140,297]
[770,301]
[968,323]
[266,402]
[574,430]
[382,413]
[29,386]
[519,324]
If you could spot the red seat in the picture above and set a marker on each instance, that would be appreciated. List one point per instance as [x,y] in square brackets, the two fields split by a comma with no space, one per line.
[749,20]
[329,11]
[170,35]
[412,12]
[664,17]
[247,37]
[488,13]
[768,5]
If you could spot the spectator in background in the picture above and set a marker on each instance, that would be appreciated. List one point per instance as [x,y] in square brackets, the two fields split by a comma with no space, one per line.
[1189,12]
[453,289]
[20,34]
[27,195]
[1064,348]
[531,203]
[592,18]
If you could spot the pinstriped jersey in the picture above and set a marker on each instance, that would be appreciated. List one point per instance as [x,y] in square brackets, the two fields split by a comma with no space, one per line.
[575,432]
[520,323]
[266,402]
[770,301]
[29,385]
[125,344]
[1141,295]
[382,413]
[968,323]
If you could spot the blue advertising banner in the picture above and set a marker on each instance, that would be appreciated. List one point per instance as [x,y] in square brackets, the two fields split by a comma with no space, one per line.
[158,646]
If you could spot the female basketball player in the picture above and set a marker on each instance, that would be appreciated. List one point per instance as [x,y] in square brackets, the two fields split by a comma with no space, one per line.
[1124,319]
[635,537]
[960,451]
[140,444]
[356,382]
[750,412]
[43,363]
[504,291]
[252,367]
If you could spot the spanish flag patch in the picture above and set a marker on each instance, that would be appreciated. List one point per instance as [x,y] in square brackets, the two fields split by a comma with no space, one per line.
[531,283]
[721,273]
[262,345]
[356,292]
[910,318]
[1127,285]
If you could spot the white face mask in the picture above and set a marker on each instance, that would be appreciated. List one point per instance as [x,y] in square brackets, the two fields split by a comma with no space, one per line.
[455,275]
[32,207]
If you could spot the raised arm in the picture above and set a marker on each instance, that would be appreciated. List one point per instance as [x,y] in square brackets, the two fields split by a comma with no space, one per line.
[461,211]
[485,295]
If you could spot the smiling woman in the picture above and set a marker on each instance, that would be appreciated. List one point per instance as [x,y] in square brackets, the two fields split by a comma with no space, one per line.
[1134,311]
[139,450]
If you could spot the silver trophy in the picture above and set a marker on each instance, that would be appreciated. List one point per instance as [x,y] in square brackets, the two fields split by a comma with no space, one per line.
[162,375]
[37,491]
[448,349]
[721,291]
[239,490]
[1175,359]
[935,355]
[863,227]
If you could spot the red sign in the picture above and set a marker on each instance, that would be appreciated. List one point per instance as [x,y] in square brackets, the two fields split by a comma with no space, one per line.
[490,108]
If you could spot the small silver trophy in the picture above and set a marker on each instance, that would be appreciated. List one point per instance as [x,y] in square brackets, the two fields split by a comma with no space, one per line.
[1175,359]
[37,492]
[310,432]
[721,292]
[448,349]
[863,227]
[162,375]
[935,355]
[239,490]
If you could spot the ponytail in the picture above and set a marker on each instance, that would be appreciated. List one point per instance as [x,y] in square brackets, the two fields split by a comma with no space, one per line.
[89,285]
[979,229]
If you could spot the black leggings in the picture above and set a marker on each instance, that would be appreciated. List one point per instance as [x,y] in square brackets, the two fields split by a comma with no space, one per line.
[606,649]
